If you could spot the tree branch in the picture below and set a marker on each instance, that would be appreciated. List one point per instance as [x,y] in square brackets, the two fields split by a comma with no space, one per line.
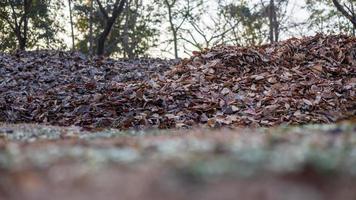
[195,44]
[14,14]
[4,17]
[102,9]
[341,9]
[26,8]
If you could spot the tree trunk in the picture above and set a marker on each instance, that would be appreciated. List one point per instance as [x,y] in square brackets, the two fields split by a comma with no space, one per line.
[174,31]
[271,21]
[103,36]
[91,28]
[22,43]
[125,34]
[354,16]
[175,41]
[108,26]
[129,41]
[23,37]
[275,24]
[71,23]
[19,25]
[349,16]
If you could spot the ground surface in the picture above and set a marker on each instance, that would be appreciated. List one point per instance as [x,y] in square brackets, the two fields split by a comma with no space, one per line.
[309,162]
[190,129]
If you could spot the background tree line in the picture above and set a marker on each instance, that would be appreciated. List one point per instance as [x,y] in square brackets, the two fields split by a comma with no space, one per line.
[134,28]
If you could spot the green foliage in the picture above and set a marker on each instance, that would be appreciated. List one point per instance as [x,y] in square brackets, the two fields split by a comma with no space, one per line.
[42,24]
[246,22]
[194,24]
[325,18]
[132,35]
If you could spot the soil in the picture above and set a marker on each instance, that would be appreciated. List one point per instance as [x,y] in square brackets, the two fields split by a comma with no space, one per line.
[306,162]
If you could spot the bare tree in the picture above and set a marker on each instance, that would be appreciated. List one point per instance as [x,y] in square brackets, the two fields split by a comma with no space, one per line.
[273,22]
[130,21]
[245,20]
[118,8]
[18,21]
[91,40]
[276,13]
[203,36]
[71,23]
[347,11]
[174,29]
[182,15]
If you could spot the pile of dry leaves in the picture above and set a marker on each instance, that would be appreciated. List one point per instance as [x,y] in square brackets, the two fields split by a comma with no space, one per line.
[309,80]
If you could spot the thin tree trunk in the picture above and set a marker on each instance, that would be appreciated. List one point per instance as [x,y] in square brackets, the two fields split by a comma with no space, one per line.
[129,42]
[71,23]
[19,25]
[349,16]
[103,36]
[354,16]
[22,43]
[275,24]
[174,31]
[125,36]
[108,26]
[175,41]
[271,21]
[23,37]
[91,28]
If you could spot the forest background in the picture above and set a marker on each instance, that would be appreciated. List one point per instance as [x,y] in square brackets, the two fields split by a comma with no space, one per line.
[165,28]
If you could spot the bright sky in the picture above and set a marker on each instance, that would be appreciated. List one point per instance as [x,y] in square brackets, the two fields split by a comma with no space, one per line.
[294,11]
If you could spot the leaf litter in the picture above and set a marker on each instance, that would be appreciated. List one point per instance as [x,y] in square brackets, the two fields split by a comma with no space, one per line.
[297,81]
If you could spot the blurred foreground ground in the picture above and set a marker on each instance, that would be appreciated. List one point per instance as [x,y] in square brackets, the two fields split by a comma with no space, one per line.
[306,162]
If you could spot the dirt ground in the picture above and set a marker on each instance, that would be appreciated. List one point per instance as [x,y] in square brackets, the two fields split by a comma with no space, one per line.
[306,162]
